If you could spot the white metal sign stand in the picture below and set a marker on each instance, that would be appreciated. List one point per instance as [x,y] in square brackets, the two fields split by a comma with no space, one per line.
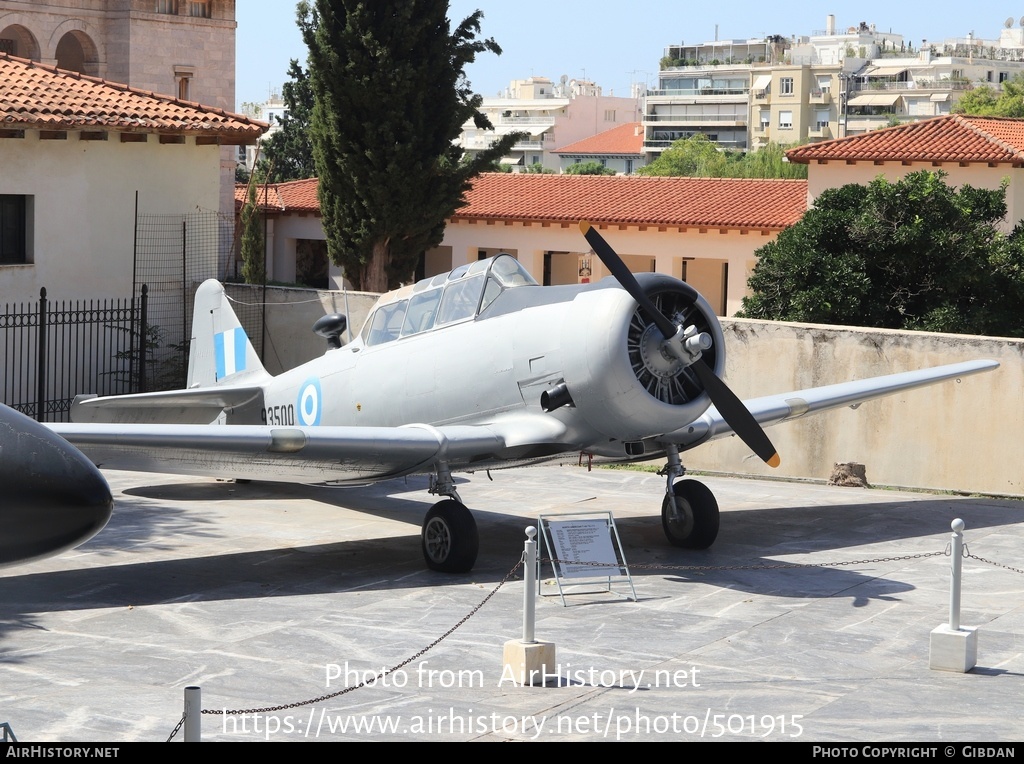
[588,552]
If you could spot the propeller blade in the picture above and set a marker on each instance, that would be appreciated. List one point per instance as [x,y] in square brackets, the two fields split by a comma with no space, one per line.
[737,415]
[729,406]
[625,277]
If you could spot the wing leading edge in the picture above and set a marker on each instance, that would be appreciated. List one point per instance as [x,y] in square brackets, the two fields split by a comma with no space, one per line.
[306,455]
[774,409]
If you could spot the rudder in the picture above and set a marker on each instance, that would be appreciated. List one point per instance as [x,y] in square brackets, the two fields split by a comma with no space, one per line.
[220,352]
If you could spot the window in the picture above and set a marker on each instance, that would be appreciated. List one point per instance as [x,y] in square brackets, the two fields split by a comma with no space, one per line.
[824,83]
[786,86]
[609,115]
[168,7]
[183,77]
[1004,76]
[629,167]
[766,118]
[200,9]
[785,120]
[15,228]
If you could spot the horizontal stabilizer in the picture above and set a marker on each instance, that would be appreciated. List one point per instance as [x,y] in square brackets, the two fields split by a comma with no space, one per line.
[199,406]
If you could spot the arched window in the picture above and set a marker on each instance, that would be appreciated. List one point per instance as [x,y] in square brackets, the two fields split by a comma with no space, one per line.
[76,52]
[18,41]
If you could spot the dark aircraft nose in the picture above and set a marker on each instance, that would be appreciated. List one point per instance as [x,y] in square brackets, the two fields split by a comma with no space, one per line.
[51,497]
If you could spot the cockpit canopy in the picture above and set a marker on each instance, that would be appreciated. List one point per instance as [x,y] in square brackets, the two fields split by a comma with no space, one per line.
[442,300]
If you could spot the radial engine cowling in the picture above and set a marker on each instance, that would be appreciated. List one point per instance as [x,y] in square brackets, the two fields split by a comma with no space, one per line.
[620,379]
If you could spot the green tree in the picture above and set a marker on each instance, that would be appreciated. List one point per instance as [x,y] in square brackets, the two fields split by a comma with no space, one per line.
[695,156]
[911,254]
[698,157]
[769,161]
[588,168]
[254,261]
[984,101]
[288,152]
[390,97]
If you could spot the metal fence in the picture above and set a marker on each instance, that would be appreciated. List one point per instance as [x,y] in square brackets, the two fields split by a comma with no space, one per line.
[173,255]
[51,352]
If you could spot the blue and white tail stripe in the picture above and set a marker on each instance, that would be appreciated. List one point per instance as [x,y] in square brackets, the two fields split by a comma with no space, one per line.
[229,351]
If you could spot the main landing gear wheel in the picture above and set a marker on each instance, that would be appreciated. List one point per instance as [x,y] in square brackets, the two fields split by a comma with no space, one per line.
[450,539]
[690,515]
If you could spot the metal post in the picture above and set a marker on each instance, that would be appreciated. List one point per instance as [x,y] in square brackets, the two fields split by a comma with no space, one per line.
[530,586]
[143,336]
[193,715]
[957,551]
[41,357]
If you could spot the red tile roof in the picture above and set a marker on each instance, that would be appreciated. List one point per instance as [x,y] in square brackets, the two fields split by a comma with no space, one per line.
[41,97]
[694,202]
[293,196]
[952,138]
[624,139]
[769,205]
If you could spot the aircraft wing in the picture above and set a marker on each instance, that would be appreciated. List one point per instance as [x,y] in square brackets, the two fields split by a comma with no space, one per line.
[784,407]
[306,454]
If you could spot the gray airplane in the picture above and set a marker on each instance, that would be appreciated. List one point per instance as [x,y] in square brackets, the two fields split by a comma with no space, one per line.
[53,498]
[475,369]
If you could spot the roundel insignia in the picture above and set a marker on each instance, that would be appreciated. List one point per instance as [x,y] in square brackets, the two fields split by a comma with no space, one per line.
[310,403]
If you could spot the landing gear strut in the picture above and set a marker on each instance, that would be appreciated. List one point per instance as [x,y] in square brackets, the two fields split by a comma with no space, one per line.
[450,541]
[689,513]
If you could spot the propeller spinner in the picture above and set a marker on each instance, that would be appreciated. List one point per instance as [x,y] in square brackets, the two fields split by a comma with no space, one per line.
[686,344]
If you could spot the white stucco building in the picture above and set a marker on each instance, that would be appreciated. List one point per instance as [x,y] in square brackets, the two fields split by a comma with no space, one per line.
[80,157]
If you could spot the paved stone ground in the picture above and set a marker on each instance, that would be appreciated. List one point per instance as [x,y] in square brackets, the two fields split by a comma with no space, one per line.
[256,592]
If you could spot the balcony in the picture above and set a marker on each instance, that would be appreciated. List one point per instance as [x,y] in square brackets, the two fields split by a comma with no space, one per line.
[926,85]
[820,97]
[538,120]
[691,92]
[821,131]
[657,146]
[726,120]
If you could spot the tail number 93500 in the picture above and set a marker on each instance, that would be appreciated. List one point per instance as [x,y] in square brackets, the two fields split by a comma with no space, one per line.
[279,415]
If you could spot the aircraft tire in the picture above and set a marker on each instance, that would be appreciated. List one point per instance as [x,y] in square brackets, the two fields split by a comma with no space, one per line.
[694,523]
[450,540]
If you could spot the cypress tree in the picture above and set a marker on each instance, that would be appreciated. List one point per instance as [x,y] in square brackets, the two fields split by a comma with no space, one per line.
[391,95]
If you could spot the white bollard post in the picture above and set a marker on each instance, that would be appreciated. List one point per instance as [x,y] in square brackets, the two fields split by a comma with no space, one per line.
[193,715]
[956,570]
[530,587]
[529,661]
[954,647]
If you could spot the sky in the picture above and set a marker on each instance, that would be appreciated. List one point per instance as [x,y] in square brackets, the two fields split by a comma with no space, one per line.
[614,43]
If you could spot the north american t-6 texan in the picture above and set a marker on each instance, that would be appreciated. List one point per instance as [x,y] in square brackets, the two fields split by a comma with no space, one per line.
[471,370]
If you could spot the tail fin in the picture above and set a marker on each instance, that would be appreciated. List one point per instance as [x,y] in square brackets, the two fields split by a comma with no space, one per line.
[220,351]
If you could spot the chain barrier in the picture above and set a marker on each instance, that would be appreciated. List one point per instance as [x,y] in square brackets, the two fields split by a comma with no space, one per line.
[552,561]
[375,679]
[990,562]
[176,728]
[765,566]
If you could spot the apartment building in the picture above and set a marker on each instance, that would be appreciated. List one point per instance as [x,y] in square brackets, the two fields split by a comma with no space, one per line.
[705,88]
[835,82]
[551,114]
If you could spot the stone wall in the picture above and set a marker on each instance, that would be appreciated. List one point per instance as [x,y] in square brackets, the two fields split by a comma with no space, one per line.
[963,435]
